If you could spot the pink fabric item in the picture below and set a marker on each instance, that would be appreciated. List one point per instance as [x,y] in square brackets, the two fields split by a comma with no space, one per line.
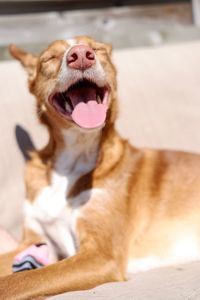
[40,253]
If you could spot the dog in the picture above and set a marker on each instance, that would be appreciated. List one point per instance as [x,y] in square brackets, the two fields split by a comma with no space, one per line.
[102,206]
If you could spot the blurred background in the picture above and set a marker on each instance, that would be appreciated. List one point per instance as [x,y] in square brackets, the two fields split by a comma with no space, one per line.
[124,23]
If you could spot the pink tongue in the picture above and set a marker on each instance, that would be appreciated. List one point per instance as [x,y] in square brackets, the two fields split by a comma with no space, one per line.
[90,114]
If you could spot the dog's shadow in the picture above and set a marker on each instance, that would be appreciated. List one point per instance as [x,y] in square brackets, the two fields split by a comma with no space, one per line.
[24,142]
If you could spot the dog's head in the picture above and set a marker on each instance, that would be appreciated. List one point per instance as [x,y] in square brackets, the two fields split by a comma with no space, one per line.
[74,82]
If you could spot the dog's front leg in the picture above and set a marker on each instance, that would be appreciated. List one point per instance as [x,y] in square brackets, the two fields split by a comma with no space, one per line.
[85,270]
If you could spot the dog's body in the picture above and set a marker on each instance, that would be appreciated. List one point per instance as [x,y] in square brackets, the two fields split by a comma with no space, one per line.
[101,204]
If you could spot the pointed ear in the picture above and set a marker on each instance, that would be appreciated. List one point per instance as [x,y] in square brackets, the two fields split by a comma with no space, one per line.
[27,60]
[108,48]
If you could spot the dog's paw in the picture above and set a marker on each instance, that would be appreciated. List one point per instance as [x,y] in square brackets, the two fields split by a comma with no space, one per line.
[35,256]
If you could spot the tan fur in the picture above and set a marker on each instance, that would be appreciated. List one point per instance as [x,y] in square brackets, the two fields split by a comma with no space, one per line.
[149,201]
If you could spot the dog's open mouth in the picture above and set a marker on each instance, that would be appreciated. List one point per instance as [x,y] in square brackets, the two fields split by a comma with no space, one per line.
[84,102]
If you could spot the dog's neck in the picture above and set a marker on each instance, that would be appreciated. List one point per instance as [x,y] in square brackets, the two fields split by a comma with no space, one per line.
[101,149]
[78,151]
[87,156]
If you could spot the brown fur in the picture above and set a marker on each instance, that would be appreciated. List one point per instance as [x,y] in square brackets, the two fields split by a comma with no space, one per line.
[152,196]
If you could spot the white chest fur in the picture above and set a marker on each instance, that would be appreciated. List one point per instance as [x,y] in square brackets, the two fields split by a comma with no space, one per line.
[51,214]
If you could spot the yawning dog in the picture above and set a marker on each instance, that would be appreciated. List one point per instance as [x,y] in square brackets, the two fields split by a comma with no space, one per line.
[101,206]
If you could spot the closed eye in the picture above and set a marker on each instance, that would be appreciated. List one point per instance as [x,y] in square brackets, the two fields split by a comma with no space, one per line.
[99,49]
[48,59]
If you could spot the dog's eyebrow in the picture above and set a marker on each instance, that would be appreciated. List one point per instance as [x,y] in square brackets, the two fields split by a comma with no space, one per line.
[52,52]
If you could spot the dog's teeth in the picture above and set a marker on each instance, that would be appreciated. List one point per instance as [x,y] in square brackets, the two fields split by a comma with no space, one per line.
[68,107]
[98,99]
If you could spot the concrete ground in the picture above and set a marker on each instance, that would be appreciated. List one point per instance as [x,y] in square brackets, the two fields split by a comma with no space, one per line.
[124,27]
